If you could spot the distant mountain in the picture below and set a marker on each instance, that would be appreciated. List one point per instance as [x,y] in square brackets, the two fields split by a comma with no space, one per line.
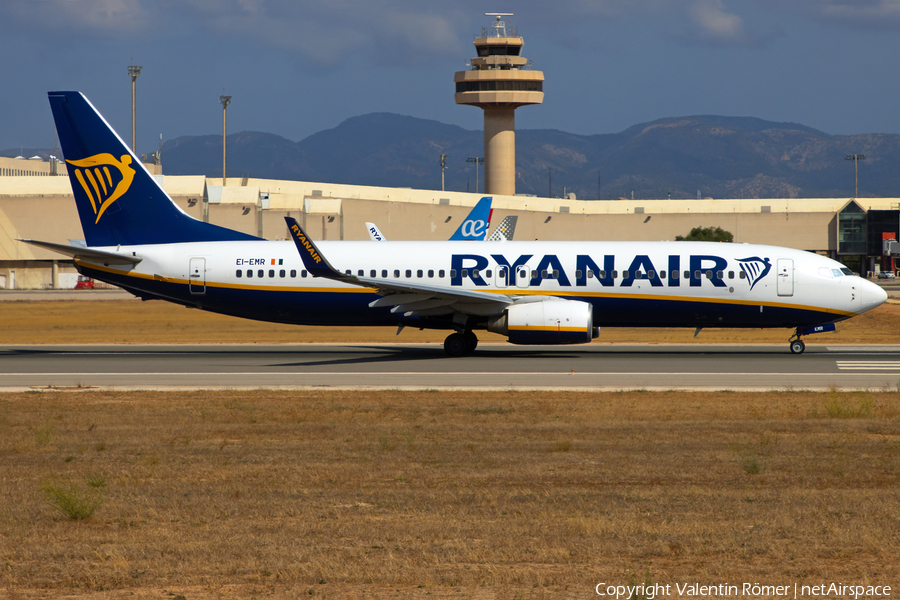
[681,157]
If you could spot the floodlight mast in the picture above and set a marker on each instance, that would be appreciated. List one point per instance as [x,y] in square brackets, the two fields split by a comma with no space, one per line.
[855,158]
[225,100]
[134,72]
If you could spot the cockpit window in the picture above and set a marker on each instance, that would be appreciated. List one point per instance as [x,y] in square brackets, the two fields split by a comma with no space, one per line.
[837,272]
[846,271]
[825,272]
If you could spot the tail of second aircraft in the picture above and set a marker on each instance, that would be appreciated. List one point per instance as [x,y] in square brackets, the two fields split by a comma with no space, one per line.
[118,201]
[476,225]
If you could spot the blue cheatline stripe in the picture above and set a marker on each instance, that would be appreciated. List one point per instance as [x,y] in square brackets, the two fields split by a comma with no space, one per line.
[329,305]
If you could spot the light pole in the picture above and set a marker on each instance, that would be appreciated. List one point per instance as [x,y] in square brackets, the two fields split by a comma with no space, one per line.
[134,72]
[855,158]
[476,160]
[225,100]
[443,166]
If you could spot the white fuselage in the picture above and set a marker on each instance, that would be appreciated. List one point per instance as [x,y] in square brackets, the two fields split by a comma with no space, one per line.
[682,284]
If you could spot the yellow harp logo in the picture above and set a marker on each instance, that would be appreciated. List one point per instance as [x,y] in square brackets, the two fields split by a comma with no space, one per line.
[104,179]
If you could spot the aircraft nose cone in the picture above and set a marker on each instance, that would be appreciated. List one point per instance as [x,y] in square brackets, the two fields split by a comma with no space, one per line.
[872,296]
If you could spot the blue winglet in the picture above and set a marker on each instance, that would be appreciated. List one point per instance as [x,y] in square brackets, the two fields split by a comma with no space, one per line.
[313,260]
[476,225]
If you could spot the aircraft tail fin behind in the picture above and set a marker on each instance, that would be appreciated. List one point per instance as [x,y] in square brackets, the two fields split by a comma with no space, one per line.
[505,230]
[118,200]
[476,225]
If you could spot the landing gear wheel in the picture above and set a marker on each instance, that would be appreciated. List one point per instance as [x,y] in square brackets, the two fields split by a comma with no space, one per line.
[456,345]
[797,347]
[471,342]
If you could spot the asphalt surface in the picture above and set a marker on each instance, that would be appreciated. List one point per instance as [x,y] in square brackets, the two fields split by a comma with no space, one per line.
[492,366]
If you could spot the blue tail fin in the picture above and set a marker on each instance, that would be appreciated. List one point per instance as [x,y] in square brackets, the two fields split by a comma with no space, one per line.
[476,225]
[118,201]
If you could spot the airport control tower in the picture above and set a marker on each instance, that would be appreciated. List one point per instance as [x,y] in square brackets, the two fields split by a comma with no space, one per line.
[499,82]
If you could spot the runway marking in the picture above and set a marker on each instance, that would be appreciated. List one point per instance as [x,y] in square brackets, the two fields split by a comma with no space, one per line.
[878,349]
[873,365]
[418,373]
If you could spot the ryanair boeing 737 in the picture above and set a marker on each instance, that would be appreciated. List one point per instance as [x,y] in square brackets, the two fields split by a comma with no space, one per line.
[532,292]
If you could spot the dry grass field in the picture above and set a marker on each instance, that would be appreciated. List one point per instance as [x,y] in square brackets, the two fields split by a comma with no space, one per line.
[134,321]
[444,495]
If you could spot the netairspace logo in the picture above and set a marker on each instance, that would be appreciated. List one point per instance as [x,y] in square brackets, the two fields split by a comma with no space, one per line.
[747,590]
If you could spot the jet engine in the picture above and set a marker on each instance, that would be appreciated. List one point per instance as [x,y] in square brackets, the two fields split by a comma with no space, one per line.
[547,322]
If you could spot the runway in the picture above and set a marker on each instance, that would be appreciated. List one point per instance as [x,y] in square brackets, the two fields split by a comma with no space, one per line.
[492,366]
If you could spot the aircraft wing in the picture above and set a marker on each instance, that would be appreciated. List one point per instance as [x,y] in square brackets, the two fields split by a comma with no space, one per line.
[109,258]
[411,299]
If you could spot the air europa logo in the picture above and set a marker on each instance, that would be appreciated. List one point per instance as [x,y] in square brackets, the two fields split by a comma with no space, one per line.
[473,228]
[104,179]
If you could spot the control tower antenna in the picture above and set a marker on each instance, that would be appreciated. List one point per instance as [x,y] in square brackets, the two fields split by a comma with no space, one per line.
[499,82]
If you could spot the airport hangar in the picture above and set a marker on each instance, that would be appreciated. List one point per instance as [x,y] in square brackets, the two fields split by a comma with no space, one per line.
[38,205]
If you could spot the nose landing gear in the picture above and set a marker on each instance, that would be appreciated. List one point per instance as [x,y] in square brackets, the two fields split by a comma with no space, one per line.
[797,345]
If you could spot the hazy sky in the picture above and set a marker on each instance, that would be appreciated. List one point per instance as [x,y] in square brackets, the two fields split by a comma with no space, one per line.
[295,67]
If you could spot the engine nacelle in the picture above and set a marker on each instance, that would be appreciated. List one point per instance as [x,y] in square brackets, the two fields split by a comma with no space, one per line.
[546,322]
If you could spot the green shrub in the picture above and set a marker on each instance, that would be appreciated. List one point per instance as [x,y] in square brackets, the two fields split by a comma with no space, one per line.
[75,502]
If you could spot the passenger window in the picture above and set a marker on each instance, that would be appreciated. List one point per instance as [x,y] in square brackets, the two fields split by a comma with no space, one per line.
[743,275]
[697,274]
[373,273]
[555,274]
[674,275]
[430,273]
[615,275]
[720,274]
[453,273]
[238,273]
[249,273]
[384,273]
[293,273]
[360,273]
[474,273]
[441,274]
[303,273]
[408,273]
[397,273]
[501,272]
[260,273]
[602,275]
[272,273]
[419,273]
[465,273]
[709,274]
[730,274]
[651,274]
[534,274]
[281,273]
[488,274]
[687,274]
[544,274]
[625,274]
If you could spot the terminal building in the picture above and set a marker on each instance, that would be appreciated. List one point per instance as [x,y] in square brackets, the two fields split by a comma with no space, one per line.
[42,207]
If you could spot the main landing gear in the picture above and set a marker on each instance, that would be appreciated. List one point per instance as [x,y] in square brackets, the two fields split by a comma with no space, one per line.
[460,344]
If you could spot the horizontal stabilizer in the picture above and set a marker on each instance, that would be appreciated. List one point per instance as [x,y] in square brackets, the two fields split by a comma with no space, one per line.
[109,258]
